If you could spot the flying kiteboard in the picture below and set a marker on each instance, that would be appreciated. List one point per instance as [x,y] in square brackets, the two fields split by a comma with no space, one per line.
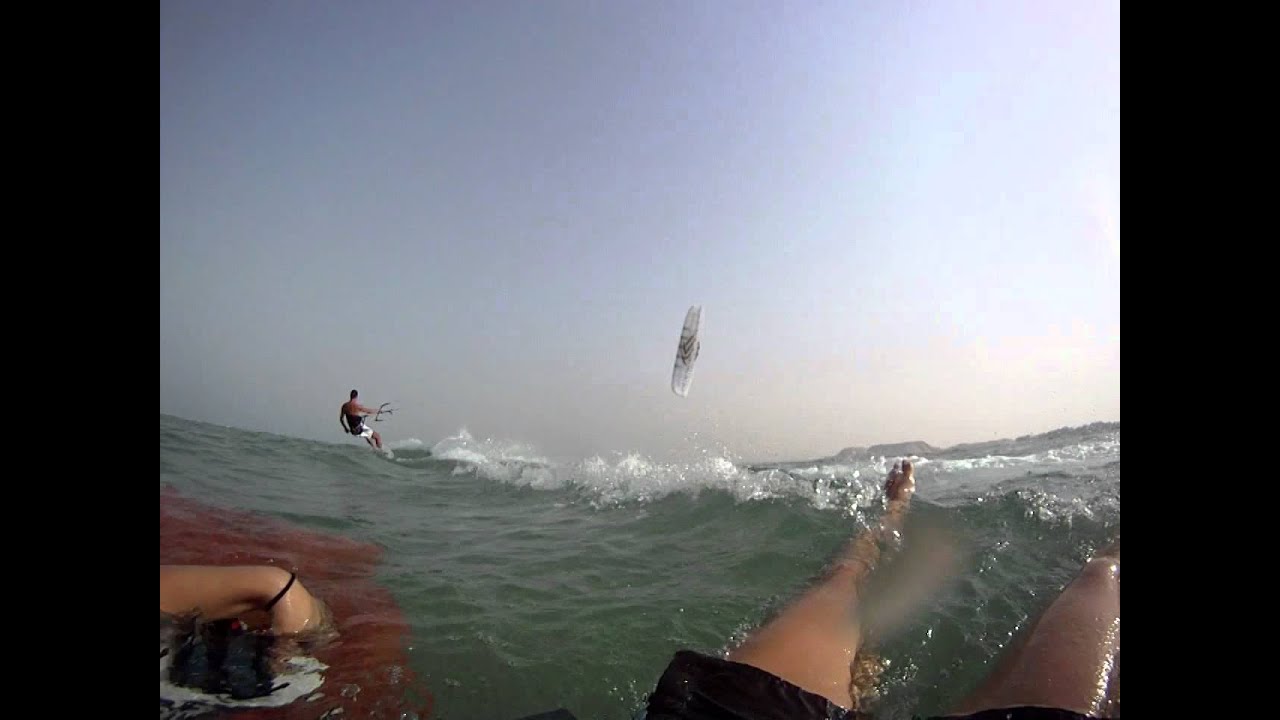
[687,352]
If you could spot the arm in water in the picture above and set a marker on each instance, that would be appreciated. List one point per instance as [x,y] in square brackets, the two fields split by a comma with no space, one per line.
[218,592]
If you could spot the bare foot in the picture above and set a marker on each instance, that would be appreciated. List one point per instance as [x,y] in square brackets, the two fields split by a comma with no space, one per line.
[901,483]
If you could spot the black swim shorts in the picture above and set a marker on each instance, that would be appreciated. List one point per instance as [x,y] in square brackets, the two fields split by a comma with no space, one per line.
[1023,712]
[699,687]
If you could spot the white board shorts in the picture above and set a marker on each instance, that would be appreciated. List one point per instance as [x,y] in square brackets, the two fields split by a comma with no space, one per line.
[365,431]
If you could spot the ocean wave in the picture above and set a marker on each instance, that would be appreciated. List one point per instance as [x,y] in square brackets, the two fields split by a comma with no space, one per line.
[1051,486]
[1079,479]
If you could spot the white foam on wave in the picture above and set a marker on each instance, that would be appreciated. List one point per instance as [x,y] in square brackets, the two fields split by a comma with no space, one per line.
[1046,505]
[465,447]
[848,486]
[1103,449]
[632,477]
[499,460]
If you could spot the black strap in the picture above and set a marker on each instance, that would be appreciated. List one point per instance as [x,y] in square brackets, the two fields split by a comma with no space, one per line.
[276,599]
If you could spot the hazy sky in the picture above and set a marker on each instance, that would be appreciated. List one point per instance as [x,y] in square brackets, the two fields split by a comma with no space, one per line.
[901,218]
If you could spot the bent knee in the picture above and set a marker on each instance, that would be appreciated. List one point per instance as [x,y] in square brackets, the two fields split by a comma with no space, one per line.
[1103,571]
